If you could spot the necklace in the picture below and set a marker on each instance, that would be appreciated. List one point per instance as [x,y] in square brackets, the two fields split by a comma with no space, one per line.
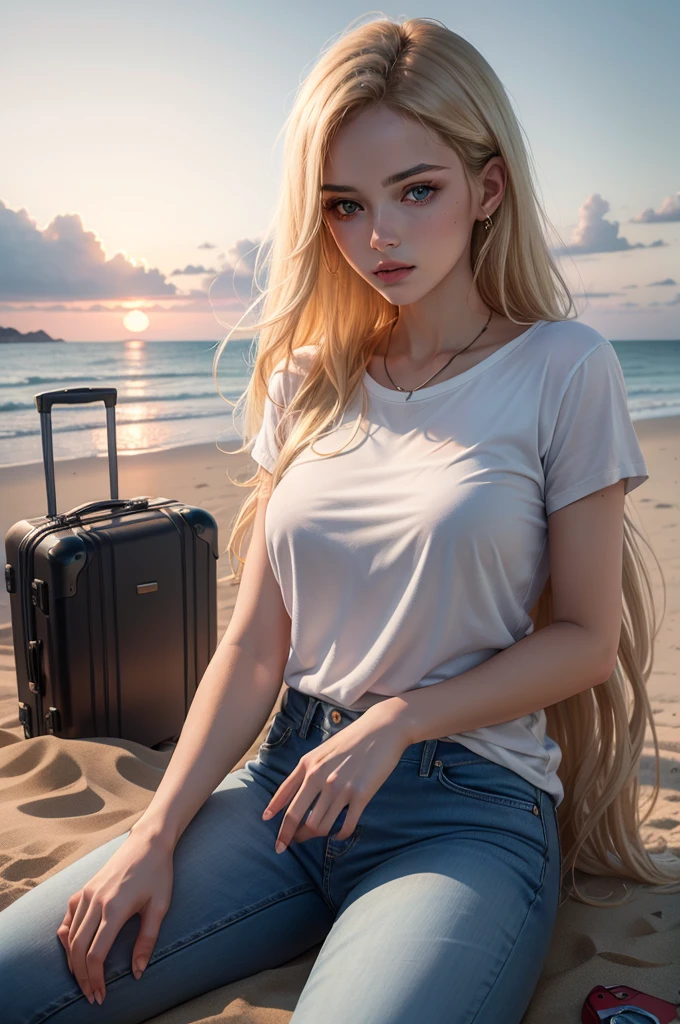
[438,371]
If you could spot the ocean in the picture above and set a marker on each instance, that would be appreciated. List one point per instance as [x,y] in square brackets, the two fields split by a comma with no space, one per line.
[167,396]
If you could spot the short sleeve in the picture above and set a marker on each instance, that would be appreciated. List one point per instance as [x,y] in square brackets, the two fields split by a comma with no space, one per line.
[594,443]
[284,381]
[265,449]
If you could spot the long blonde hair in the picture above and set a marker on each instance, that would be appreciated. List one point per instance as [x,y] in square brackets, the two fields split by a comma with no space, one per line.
[424,71]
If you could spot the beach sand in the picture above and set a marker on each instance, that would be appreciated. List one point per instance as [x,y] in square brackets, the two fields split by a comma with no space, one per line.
[80,790]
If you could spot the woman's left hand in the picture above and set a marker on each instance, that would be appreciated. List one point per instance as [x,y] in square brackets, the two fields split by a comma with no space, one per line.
[346,769]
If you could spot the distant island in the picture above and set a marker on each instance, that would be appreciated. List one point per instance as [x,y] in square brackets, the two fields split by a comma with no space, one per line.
[11,334]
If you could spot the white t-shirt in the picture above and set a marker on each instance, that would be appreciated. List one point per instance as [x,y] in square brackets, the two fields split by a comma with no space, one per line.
[418,551]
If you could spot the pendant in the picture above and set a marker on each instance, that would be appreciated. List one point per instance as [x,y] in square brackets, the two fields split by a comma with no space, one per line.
[409,395]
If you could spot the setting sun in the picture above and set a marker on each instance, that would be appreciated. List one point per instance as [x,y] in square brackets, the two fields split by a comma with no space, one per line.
[136,321]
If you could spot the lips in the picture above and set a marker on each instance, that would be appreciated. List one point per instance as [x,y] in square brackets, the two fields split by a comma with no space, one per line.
[394,275]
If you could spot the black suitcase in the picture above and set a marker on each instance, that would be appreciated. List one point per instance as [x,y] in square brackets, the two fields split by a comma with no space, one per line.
[113,605]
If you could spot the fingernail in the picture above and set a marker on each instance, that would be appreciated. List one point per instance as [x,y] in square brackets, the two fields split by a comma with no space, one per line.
[267,814]
[137,973]
[98,998]
[90,999]
[279,847]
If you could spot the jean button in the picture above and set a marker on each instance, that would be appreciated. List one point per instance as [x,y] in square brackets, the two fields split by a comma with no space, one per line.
[336,717]
[535,809]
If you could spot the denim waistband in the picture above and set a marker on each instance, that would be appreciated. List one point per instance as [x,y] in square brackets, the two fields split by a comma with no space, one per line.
[306,710]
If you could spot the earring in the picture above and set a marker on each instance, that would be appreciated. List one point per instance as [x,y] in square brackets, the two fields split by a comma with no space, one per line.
[488,223]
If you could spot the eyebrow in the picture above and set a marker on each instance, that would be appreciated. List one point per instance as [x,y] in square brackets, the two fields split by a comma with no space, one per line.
[392,180]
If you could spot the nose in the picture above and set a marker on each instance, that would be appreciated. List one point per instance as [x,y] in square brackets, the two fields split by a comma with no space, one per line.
[381,238]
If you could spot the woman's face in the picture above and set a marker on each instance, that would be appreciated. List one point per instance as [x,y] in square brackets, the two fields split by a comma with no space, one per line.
[424,220]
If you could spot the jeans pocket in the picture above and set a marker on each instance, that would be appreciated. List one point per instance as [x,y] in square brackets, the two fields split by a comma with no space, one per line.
[488,782]
[279,731]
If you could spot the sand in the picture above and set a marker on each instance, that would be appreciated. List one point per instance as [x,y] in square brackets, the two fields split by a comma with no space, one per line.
[89,791]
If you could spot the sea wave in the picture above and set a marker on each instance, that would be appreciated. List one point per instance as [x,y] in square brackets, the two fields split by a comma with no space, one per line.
[68,379]
[120,422]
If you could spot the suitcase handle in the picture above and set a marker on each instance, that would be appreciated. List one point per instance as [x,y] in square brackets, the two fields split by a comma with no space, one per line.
[76,396]
[98,506]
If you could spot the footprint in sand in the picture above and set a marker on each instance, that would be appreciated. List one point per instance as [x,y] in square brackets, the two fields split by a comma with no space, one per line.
[663,504]
[24,868]
[200,485]
[663,823]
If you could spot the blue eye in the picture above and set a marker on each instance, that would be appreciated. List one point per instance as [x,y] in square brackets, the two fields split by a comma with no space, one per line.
[334,204]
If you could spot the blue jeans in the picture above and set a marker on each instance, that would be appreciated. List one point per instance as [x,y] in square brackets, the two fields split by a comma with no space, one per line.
[439,907]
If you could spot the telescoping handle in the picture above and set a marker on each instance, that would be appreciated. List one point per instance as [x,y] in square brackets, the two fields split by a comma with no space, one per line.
[76,396]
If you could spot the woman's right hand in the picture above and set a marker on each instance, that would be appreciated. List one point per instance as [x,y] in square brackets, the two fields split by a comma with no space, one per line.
[137,879]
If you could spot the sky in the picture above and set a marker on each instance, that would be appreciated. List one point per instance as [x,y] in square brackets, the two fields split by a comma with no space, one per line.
[139,160]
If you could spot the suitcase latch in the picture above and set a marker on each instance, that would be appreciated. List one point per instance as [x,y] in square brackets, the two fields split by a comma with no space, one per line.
[53,721]
[39,595]
[25,719]
[9,578]
[34,667]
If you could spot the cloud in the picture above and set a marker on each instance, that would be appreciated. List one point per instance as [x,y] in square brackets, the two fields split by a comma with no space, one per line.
[228,290]
[65,262]
[594,295]
[244,252]
[667,212]
[186,302]
[671,302]
[595,234]
[207,245]
[191,269]
[667,280]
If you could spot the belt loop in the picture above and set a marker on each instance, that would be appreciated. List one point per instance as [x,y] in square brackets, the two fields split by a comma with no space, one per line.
[429,750]
[312,703]
[284,699]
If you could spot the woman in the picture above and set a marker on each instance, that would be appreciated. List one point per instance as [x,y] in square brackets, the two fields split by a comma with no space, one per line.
[444,456]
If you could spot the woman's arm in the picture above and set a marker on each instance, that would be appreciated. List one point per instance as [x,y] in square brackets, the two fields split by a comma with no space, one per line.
[234,698]
[576,651]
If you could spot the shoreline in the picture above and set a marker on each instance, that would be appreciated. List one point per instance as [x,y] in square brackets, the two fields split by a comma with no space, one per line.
[102,456]
[650,426]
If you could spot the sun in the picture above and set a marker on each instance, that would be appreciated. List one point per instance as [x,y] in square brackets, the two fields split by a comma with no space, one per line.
[136,321]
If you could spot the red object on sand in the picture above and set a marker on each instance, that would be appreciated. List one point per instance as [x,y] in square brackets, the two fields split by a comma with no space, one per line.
[602,1002]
